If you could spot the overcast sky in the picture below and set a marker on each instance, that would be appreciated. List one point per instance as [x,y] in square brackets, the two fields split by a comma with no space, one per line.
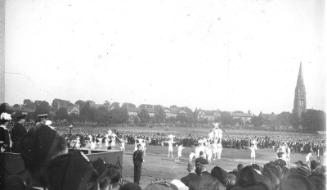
[210,54]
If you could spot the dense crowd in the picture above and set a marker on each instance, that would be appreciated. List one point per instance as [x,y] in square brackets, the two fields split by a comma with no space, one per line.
[297,144]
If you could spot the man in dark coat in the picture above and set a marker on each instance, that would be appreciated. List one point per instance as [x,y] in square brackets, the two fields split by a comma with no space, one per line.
[18,132]
[40,145]
[137,160]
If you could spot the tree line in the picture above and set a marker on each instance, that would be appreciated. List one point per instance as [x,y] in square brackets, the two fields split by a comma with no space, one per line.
[116,113]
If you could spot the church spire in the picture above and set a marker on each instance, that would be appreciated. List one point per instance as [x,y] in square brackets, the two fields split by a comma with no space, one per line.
[300,82]
[300,95]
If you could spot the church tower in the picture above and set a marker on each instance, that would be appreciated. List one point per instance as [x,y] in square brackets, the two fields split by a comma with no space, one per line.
[300,96]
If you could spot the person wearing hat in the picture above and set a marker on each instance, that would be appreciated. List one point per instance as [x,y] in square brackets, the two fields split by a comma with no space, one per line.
[18,132]
[5,141]
[137,161]
[203,179]
[41,119]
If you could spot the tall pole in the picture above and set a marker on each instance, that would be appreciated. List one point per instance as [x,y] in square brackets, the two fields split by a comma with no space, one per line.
[2,51]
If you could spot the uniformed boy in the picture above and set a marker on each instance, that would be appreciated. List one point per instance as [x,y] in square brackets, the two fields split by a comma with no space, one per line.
[137,160]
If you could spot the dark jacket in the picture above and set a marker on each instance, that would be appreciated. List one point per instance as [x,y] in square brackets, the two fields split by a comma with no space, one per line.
[18,132]
[190,177]
[4,137]
[138,157]
[205,181]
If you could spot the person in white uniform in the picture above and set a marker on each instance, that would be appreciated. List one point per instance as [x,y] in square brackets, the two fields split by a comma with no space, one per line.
[218,137]
[170,146]
[253,148]
[179,151]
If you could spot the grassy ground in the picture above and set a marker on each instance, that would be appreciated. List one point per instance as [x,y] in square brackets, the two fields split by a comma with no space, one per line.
[158,165]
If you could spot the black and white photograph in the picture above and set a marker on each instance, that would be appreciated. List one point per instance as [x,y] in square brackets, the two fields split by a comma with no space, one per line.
[163,95]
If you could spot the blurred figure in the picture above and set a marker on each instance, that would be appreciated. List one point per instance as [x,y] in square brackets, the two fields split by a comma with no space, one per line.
[18,132]
[5,141]
[179,151]
[308,157]
[15,182]
[252,155]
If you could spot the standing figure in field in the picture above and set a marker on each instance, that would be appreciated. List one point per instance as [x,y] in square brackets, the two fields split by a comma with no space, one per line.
[123,141]
[78,143]
[283,148]
[171,148]
[137,161]
[200,148]
[216,150]
[170,145]
[217,138]
[217,132]
[288,155]
[106,140]
[208,152]
[112,138]
[92,142]
[253,148]
[179,151]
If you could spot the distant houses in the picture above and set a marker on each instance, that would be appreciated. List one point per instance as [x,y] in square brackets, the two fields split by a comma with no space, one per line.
[73,109]
[170,114]
[208,115]
[241,116]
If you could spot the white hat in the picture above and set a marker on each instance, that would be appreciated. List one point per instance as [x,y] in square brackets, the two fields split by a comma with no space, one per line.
[5,116]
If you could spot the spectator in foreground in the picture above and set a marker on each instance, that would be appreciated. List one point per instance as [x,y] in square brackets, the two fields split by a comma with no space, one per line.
[204,180]
[18,132]
[5,142]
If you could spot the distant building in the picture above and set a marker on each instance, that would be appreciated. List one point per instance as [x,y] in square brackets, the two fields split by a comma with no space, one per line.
[149,108]
[132,111]
[208,115]
[299,106]
[73,109]
[170,113]
[57,104]
[244,117]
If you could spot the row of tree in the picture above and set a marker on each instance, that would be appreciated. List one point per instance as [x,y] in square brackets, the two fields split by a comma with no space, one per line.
[114,113]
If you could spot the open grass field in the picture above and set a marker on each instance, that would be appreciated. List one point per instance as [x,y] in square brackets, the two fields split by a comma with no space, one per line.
[158,165]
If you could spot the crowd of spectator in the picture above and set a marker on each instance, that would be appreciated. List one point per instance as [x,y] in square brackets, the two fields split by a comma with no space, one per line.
[297,144]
